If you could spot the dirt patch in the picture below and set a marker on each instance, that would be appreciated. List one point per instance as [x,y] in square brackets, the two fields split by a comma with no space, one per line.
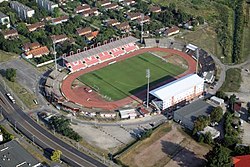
[177,60]
[171,149]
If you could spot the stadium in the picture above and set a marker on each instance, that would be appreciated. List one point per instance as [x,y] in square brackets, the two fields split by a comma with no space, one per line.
[113,75]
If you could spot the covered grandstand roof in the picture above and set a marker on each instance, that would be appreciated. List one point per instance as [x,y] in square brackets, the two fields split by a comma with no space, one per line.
[103,48]
[191,47]
[177,86]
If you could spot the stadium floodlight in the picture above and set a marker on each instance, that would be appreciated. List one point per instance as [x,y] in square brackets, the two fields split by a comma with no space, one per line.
[197,62]
[148,77]
[54,52]
[142,18]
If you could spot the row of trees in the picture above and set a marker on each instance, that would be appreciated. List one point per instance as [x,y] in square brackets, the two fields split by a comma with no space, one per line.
[224,29]
[238,31]
[62,125]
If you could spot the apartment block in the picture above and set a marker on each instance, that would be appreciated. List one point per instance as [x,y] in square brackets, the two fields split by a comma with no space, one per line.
[23,11]
[47,5]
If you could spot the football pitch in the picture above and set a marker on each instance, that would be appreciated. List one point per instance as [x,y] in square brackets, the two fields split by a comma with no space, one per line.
[127,77]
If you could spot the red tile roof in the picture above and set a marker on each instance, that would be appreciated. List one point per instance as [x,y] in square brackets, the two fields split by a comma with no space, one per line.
[29,45]
[241,161]
[34,26]
[83,31]
[9,32]
[38,51]
[58,19]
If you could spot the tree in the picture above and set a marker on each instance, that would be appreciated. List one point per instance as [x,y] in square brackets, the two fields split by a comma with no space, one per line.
[217,114]
[56,155]
[56,12]
[219,156]
[200,20]
[208,138]
[10,74]
[232,100]
[200,123]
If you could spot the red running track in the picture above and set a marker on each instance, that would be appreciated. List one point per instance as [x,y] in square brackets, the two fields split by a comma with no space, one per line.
[92,100]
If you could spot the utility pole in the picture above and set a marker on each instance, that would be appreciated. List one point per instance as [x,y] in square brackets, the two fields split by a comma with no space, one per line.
[148,77]
[54,52]
[142,18]
[197,62]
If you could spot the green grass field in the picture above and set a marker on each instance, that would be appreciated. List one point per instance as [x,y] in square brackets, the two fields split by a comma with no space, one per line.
[233,80]
[127,77]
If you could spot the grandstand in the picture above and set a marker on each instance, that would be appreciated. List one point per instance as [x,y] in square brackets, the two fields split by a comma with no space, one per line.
[101,54]
[150,42]
[165,43]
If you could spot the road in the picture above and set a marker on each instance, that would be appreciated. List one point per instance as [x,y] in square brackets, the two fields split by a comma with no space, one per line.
[42,137]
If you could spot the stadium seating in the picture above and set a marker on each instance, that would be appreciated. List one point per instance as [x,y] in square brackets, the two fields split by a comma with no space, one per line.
[117,52]
[130,47]
[104,56]
[90,61]
[75,66]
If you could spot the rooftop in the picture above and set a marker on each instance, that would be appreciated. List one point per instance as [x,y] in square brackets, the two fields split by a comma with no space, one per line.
[21,5]
[176,87]
[241,161]
[13,154]
[103,48]
[194,110]
[2,15]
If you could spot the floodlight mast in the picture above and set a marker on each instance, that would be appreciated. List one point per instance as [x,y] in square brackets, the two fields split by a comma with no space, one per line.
[142,18]
[197,62]
[54,52]
[148,77]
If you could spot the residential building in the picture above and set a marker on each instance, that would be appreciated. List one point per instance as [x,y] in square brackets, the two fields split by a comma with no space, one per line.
[91,35]
[4,20]
[143,20]
[104,3]
[38,52]
[35,26]
[129,2]
[112,6]
[10,34]
[172,31]
[47,5]
[58,38]
[83,31]
[82,8]
[124,27]
[23,11]
[29,46]
[3,1]
[155,9]
[112,22]
[91,12]
[182,89]
[13,154]
[60,20]
[134,15]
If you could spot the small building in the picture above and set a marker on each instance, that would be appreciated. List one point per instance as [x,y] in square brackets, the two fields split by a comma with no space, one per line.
[189,113]
[10,34]
[188,25]
[217,100]
[112,22]
[143,112]
[14,155]
[35,26]
[127,113]
[23,11]
[38,52]
[60,20]
[134,15]
[104,3]
[83,31]
[4,20]
[30,46]
[172,31]
[143,20]
[155,9]
[237,106]
[58,38]
[124,27]
[82,8]
[111,6]
[129,2]
[91,12]
[209,77]
[241,161]
[214,133]
[107,114]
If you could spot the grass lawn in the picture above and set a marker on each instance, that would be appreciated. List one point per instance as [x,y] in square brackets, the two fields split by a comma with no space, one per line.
[233,80]
[5,56]
[246,34]
[127,77]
